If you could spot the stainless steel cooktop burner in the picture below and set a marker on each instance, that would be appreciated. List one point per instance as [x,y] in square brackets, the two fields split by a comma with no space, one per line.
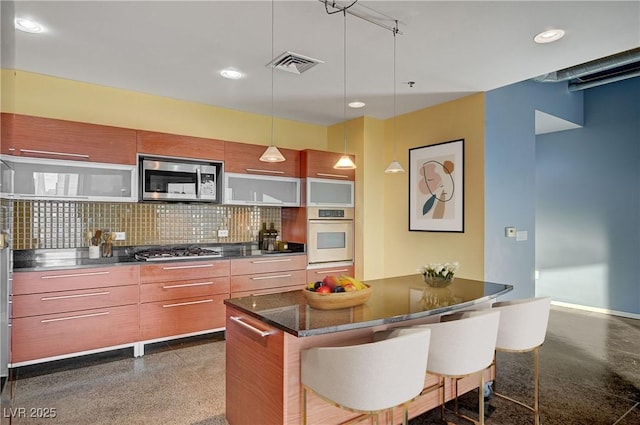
[160,254]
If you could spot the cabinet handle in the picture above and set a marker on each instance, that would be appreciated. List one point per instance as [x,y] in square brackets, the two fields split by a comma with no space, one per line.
[64,297]
[187,303]
[75,155]
[201,266]
[282,260]
[186,285]
[253,329]
[257,170]
[63,276]
[332,271]
[340,176]
[270,277]
[82,316]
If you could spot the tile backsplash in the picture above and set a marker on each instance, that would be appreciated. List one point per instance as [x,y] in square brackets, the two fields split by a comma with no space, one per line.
[63,224]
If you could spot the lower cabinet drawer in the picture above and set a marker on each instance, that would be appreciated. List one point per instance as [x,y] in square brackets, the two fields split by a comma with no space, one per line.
[258,282]
[314,275]
[67,301]
[159,291]
[185,315]
[266,291]
[69,280]
[51,335]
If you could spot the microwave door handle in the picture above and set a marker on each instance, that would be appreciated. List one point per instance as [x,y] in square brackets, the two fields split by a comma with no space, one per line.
[198,182]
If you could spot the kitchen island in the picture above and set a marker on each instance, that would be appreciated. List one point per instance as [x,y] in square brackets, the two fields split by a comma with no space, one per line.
[266,333]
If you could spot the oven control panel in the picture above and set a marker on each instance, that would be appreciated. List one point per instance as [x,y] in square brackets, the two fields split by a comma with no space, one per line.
[322,213]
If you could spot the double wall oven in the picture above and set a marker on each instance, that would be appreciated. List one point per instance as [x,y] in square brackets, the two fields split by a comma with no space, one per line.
[329,234]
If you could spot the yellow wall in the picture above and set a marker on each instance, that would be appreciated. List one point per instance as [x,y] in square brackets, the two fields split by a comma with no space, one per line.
[51,97]
[405,251]
[384,246]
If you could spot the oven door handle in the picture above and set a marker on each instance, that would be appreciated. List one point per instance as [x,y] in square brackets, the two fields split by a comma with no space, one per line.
[198,182]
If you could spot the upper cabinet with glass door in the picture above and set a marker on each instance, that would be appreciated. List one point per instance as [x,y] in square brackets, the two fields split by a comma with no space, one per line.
[37,178]
[246,189]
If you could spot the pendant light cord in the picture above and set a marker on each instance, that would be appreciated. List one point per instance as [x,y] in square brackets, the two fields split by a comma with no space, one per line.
[395,32]
[344,103]
[272,67]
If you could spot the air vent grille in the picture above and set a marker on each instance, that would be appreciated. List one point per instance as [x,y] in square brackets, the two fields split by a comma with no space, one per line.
[293,62]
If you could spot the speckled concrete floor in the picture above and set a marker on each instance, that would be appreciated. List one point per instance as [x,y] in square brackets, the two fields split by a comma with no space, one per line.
[590,375]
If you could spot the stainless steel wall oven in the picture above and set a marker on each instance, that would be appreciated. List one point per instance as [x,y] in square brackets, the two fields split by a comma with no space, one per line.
[330,235]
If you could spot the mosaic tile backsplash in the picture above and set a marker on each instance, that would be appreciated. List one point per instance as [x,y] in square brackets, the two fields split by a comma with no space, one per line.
[64,224]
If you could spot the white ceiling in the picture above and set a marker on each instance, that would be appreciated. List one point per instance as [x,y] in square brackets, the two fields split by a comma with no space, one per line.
[450,49]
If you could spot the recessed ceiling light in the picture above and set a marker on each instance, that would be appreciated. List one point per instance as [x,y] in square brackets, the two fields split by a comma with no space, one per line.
[549,36]
[28,25]
[356,104]
[231,74]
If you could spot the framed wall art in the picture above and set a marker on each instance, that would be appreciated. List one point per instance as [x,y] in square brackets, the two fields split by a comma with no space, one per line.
[436,187]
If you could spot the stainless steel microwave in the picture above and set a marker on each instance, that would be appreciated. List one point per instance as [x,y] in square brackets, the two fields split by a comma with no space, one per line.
[180,180]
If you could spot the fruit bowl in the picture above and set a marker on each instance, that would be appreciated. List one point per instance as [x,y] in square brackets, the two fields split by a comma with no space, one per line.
[336,300]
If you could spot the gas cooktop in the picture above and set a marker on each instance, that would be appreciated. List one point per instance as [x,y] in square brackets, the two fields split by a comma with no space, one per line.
[166,254]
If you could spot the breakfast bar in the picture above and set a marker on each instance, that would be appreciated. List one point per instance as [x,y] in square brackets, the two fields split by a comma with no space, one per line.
[266,333]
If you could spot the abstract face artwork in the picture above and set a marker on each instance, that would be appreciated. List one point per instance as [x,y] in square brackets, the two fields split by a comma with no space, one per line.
[436,182]
[436,187]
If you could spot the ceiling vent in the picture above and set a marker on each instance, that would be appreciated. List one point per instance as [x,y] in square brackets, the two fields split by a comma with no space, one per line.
[610,69]
[293,62]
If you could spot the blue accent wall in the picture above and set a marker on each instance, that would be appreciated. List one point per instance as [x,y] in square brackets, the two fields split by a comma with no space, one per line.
[510,175]
[588,204]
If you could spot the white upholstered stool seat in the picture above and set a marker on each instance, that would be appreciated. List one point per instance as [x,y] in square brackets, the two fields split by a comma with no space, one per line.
[523,327]
[368,378]
[462,345]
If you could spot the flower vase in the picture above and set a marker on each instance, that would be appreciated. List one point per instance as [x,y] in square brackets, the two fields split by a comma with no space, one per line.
[437,282]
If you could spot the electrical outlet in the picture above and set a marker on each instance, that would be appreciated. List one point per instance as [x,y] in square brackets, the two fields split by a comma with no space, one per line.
[223,233]
[120,236]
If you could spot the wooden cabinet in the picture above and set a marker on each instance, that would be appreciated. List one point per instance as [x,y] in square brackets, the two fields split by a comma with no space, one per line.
[179,298]
[245,158]
[255,360]
[24,135]
[319,164]
[76,279]
[165,144]
[314,275]
[73,311]
[267,274]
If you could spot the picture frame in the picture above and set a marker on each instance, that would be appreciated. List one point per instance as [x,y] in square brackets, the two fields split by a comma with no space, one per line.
[436,187]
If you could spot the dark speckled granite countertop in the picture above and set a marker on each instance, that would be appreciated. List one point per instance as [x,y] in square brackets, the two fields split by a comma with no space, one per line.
[76,258]
[394,299]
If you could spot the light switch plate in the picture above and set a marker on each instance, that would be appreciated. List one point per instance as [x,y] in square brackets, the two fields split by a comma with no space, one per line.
[223,233]
[522,235]
[120,236]
[510,232]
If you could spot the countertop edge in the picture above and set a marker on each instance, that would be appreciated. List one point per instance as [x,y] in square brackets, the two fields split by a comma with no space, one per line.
[371,323]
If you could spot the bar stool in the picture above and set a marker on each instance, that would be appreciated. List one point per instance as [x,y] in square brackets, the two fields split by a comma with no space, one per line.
[369,378]
[462,345]
[523,327]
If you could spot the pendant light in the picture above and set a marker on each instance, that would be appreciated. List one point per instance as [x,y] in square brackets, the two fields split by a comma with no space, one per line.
[272,154]
[395,166]
[345,162]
